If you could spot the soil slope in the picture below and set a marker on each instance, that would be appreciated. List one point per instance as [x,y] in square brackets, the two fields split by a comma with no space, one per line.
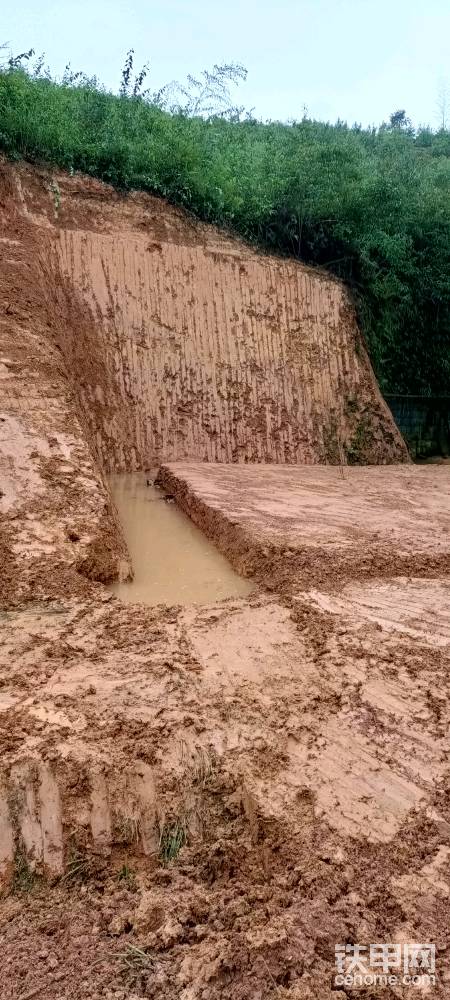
[182,343]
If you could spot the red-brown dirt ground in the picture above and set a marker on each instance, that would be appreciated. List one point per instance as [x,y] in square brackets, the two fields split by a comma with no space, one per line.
[200,802]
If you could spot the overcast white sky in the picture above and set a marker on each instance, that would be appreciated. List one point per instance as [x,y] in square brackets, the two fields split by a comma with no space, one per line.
[354,59]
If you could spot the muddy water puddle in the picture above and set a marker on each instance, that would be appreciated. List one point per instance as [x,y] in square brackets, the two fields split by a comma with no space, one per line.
[172,560]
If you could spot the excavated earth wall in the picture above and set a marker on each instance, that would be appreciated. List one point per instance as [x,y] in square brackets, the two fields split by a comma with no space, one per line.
[182,343]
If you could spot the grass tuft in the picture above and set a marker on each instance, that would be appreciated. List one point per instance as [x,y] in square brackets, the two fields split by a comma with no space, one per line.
[127,876]
[24,877]
[172,838]
[78,866]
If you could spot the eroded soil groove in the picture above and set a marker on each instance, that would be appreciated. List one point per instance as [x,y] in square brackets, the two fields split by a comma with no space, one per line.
[173,561]
[200,802]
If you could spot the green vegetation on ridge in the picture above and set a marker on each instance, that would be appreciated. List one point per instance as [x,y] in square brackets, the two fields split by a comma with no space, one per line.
[371,205]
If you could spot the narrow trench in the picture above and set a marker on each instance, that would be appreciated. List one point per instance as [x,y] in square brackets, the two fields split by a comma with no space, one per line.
[173,562]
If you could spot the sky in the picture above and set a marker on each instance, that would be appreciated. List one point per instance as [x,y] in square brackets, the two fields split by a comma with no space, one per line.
[357,60]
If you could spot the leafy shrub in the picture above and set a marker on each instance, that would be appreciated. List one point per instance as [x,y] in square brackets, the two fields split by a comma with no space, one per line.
[372,206]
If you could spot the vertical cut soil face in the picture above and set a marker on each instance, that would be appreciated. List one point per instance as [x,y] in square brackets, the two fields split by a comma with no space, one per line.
[200,802]
[183,343]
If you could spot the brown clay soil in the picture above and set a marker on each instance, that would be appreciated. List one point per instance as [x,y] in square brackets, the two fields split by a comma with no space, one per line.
[198,803]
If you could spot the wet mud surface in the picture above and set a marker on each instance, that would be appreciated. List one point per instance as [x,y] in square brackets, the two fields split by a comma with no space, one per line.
[319,524]
[200,802]
[173,561]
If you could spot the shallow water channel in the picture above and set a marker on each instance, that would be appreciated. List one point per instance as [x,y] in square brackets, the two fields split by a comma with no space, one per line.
[173,561]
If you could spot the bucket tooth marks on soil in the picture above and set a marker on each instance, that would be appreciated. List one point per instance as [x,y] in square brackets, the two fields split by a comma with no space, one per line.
[170,350]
